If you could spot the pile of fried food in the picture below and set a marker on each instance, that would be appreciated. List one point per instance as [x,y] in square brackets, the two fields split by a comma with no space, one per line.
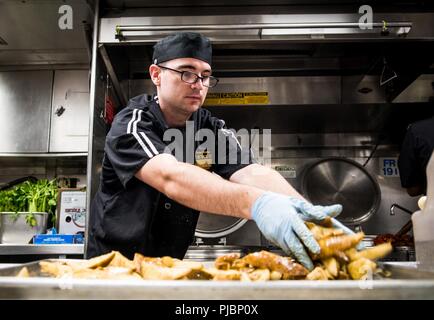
[404,240]
[339,260]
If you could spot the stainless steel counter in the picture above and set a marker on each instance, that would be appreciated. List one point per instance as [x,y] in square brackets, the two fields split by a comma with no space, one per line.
[8,265]
[47,288]
[41,249]
[21,253]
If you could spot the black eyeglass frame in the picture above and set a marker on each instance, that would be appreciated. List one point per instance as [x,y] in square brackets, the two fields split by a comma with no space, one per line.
[196,75]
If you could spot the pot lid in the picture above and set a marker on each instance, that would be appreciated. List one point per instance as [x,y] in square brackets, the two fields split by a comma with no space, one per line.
[214,225]
[343,181]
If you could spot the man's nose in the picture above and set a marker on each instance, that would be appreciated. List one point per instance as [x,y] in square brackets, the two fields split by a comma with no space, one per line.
[198,84]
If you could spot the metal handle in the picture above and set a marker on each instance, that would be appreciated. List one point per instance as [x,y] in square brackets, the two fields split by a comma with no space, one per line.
[211,27]
[17,181]
[59,111]
[392,209]
[404,27]
[406,228]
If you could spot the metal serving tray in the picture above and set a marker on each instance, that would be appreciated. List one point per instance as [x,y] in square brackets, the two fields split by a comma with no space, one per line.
[407,282]
[33,268]
[405,270]
[397,270]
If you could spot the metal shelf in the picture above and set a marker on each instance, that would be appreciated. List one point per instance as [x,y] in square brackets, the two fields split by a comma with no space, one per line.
[44,155]
[43,249]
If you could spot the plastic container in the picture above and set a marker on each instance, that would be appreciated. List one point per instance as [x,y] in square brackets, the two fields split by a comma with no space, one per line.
[58,239]
[423,224]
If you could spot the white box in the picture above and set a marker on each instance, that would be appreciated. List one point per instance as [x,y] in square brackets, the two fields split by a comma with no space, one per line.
[72,212]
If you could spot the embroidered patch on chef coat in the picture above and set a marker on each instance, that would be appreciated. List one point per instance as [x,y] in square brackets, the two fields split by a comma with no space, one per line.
[203,159]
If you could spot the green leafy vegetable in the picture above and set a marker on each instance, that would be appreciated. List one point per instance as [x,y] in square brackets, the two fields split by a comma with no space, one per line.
[40,196]
[30,219]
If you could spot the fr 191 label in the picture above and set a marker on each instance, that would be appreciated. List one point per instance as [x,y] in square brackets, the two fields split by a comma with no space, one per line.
[389,167]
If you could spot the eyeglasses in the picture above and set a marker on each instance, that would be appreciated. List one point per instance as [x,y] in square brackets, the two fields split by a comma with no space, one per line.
[191,77]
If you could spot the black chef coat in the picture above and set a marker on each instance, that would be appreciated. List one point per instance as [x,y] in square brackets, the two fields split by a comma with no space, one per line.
[130,216]
[416,151]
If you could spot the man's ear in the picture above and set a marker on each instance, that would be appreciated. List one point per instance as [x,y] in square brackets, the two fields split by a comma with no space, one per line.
[155,73]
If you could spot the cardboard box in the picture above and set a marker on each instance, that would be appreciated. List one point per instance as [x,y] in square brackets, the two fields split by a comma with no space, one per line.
[71,211]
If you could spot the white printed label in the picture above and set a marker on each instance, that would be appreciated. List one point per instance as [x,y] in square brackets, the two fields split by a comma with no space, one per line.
[286,171]
[389,167]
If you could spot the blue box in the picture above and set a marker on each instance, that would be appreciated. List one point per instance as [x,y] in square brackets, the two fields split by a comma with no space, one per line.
[58,239]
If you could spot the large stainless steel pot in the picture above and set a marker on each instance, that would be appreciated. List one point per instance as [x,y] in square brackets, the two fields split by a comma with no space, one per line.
[340,180]
[210,253]
[215,226]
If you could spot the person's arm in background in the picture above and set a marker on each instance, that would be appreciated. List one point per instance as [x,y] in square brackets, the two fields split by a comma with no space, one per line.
[411,172]
[415,190]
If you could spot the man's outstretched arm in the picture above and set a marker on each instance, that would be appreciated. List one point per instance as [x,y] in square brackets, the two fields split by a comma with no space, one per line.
[197,188]
[265,178]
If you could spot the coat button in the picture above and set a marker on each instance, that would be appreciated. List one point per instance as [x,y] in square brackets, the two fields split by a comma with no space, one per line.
[167,205]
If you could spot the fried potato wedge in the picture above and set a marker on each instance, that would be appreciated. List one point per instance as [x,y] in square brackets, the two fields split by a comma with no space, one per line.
[361,269]
[24,273]
[55,269]
[225,262]
[225,275]
[329,246]
[100,261]
[151,271]
[343,276]
[267,260]
[317,274]
[320,232]
[259,275]
[112,273]
[201,274]
[121,261]
[275,275]
[193,265]
[373,253]
[332,266]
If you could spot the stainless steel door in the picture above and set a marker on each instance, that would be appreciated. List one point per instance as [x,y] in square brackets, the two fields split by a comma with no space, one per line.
[25,100]
[70,111]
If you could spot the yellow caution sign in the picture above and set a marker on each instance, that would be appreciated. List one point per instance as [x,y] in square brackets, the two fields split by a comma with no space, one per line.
[236,98]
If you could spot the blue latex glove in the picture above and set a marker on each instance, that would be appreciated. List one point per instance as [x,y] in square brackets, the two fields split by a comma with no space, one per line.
[310,212]
[279,221]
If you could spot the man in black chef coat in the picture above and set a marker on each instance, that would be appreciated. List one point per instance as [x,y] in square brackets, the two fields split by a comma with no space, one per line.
[416,151]
[148,200]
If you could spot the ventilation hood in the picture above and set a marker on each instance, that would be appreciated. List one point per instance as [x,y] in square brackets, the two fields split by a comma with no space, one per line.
[247,28]
[310,44]
[30,33]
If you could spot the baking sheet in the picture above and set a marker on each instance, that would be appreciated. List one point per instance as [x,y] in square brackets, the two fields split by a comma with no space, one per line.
[33,268]
[397,270]
[413,285]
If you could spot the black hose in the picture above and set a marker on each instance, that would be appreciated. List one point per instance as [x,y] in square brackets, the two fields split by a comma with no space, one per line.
[17,181]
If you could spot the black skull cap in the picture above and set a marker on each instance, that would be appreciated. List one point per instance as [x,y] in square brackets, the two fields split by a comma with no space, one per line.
[183,45]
